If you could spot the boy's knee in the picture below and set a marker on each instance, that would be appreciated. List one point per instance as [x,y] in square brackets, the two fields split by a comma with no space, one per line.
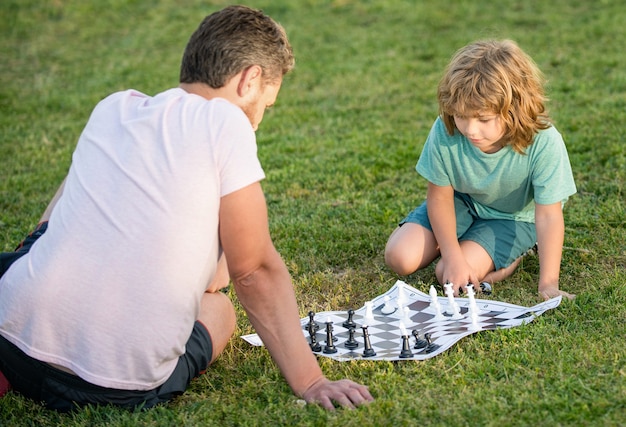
[399,263]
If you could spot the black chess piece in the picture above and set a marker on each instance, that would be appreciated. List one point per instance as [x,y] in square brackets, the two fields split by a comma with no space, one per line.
[368,351]
[485,287]
[312,322]
[351,343]
[330,346]
[349,323]
[419,342]
[314,344]
[431,345]
[406,352]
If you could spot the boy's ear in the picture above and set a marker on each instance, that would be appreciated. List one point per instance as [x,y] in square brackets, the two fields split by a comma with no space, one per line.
[250,77]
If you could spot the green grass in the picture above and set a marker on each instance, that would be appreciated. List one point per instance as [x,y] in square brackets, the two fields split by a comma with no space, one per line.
[339,150]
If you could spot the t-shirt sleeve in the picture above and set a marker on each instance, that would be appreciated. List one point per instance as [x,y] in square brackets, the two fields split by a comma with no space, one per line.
[236,153]
[430,164]
[552,177]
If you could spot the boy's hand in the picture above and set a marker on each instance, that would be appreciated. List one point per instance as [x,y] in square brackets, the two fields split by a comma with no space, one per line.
[551,292]
[459,273]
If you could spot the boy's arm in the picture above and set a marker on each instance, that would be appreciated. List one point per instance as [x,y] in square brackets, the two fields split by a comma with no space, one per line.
[265,290]
[550,232]
[442,217]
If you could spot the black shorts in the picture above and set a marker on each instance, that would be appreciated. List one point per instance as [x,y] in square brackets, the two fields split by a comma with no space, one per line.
[8,258]
[63,391]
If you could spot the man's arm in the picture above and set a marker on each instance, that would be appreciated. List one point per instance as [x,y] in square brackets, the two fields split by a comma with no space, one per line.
[550,233]
[263,285]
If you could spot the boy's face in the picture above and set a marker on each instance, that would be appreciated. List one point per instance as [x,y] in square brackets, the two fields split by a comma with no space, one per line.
[483,129]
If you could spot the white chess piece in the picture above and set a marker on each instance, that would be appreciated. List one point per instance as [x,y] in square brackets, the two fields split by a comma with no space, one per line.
[438,314]
[388,308]
[453,308]
[406,318]
[434,304]
[433,296]
[401,301]
[450,294]
[473,326]
[472,307]
[369,312]
[403,331]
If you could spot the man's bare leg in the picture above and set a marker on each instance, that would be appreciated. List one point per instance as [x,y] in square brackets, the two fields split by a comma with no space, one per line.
[217,314]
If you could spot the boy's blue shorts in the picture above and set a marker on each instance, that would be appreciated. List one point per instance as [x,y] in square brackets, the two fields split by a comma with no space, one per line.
[504,240]
[63,391]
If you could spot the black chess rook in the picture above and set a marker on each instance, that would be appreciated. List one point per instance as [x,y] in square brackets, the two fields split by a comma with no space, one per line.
[406,352]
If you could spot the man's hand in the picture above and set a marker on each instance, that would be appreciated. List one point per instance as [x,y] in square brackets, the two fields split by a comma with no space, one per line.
[345,393]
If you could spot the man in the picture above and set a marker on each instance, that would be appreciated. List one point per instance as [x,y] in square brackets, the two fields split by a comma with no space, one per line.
[115,297]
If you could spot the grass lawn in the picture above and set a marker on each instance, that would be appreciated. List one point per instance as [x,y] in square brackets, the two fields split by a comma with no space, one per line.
[339,150]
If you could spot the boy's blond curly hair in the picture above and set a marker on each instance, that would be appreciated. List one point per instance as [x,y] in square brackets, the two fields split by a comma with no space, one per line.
[498,77]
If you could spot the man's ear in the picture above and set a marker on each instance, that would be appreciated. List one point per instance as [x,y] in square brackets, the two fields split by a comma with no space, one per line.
[250,77]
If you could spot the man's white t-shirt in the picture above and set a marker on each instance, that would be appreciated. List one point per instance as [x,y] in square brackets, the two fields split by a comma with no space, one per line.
[112,289]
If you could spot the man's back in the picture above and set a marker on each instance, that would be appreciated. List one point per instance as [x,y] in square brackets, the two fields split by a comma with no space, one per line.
[133,242]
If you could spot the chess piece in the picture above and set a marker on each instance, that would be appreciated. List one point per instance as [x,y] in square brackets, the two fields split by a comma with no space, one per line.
[453,308]
[431,346]
[406,352]
[486,288]
[435,305]
[388,308]
[433,296]
[311,329]
[315,346]
[401,301]
[312,321]
[351,343]
[472,306]
[438,314]
[456,312]
[349,323]
[473,326]
[369,312]
[368,351]
[419,342]
[406,315]
[329,348]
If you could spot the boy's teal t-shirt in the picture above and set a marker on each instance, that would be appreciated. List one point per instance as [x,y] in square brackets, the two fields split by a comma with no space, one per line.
[505,184]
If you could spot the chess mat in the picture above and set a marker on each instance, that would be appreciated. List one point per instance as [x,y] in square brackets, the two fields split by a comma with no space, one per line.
[386,330]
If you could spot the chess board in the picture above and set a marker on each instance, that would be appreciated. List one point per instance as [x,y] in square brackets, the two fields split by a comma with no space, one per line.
[386,330]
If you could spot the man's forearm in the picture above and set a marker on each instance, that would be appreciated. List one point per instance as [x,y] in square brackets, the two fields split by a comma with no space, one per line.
[268,297]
